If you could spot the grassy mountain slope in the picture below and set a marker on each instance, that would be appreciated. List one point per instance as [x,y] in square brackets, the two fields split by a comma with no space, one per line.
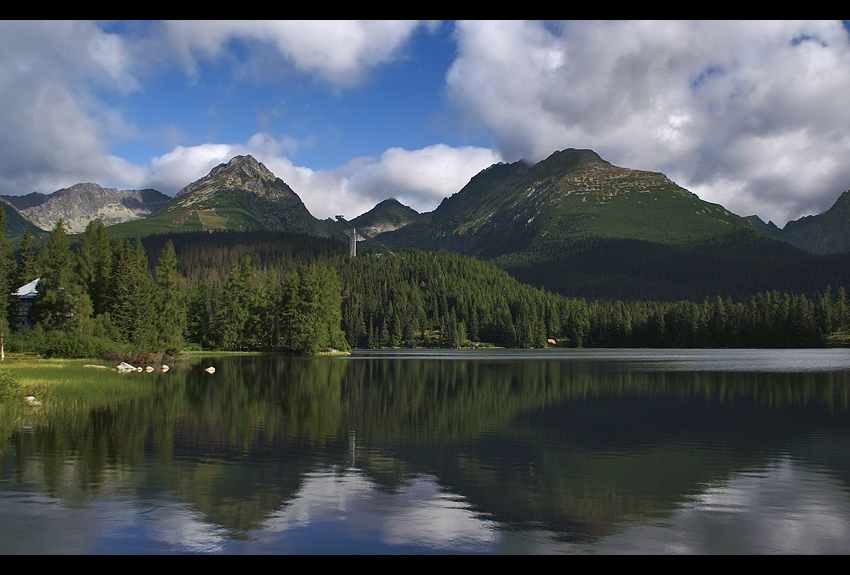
[577,225]
[241,195]
[572,196]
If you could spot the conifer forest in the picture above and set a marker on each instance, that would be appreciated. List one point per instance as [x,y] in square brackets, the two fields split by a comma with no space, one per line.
[273,291]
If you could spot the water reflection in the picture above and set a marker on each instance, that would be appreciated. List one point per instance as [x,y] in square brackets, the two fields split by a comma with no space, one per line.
[498,452]
[781,508]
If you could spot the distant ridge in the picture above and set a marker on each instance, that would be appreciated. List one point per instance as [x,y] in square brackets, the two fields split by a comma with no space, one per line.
[572,223]
[16,224]
[79,204]
[824,233]
[386,216]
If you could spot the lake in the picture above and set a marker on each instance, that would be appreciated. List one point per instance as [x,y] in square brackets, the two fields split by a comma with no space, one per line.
[616,451]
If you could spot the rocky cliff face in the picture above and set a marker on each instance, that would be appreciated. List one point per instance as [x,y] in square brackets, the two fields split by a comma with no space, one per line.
[81,203]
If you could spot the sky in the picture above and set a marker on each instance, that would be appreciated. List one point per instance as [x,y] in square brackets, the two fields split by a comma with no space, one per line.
[751,114]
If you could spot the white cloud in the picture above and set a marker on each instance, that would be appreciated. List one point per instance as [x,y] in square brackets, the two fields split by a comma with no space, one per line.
[421,178]
[417,178]
[758,105]
[173,171]
[56,131]
[53,131]
[338,51]
[748,114]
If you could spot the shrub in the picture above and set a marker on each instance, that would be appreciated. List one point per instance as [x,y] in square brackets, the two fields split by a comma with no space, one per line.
[61,344]
[10,386]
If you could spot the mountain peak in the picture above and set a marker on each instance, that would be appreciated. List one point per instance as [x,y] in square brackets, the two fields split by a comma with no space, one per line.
[823,233]
[530,210]
[241,173]
[246,165]
[243,194]
[576,156]
[387,216]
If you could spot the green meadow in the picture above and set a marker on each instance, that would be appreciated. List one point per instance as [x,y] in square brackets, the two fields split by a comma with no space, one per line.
[65,388]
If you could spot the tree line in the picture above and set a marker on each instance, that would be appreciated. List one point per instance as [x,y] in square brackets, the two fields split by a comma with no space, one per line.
[281,292]
[451,300]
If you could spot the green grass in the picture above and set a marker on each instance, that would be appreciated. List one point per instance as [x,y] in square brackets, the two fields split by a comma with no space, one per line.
[176,221]
[79,379]
[66,390]
[231,212]
[661,215]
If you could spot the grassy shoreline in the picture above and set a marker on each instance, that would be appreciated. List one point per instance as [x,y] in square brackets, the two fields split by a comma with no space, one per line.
[94,377]
[64,390]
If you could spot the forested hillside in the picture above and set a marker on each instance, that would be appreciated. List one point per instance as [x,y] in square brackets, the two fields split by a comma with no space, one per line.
[103,296]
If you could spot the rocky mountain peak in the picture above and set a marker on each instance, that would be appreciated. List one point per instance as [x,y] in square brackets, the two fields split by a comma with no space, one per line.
[241,173]
[242,166]
[242,194]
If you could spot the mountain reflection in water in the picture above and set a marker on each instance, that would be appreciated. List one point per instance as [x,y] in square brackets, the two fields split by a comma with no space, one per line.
[486,451]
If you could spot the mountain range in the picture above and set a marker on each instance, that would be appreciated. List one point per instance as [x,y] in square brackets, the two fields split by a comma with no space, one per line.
[81,203]
[573,223]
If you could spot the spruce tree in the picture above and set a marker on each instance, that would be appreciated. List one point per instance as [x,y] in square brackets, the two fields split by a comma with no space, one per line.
[93,263]
[170,313]
[199,316]
[62,302]
[26,270]
[290,319]
[129,295]
[7,269]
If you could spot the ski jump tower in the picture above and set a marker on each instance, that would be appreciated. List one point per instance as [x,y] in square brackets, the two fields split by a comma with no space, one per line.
[353,232]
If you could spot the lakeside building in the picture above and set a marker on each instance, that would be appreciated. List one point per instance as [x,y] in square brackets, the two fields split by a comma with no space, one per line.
[24,295]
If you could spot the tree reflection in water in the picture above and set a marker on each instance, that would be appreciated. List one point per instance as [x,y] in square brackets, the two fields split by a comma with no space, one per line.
[456,448]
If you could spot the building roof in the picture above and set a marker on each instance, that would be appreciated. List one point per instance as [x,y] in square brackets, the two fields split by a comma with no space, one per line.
[27,290]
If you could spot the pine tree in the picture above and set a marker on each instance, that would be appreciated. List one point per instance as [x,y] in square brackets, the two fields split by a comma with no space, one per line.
[236,307]
[170,313]
[93,263]
[26,270]
[62,301]
[129,296]
[311,312]
[841,315]
[7,269]
[199,315]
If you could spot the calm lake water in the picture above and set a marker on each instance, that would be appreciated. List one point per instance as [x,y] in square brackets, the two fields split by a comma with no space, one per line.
[484,452]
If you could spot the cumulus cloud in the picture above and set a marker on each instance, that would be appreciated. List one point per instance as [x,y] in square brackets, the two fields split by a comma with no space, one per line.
[750,114]
[420,178]
[57,129]
[341,52]
[417,178]
[53,131]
